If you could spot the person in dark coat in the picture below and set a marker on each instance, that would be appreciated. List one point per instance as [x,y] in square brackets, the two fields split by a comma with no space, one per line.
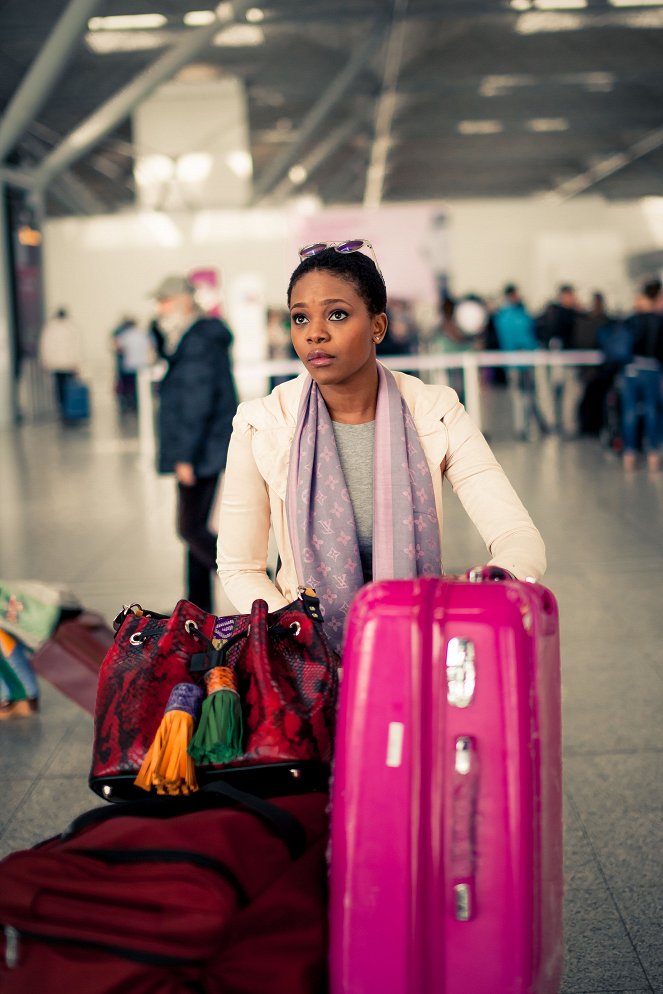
[197,402]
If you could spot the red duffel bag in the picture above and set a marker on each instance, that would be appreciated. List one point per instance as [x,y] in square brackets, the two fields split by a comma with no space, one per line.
[172,897]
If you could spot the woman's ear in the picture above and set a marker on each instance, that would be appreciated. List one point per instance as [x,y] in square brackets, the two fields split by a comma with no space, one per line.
[380,322]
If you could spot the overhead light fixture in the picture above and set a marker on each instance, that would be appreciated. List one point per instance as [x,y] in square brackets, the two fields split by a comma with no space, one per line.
[194,167]
[636,3]
[548,22]
[479,127]
[547,124]
[521,4]
[199,18]
[298,174]
[560,4]
[127,22]
[241,163]
[239,36]
[150,170]
[255,15]
[499,85]
[108,42]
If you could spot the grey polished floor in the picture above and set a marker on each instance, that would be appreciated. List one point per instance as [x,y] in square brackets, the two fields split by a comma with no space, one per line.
[81,506]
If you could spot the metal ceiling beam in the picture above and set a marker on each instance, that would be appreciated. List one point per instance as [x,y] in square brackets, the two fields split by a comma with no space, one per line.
[107,117]
[71,191]
[21,178]
[44,72]
[317,114]
[385,108]
[608,166]
[320,154]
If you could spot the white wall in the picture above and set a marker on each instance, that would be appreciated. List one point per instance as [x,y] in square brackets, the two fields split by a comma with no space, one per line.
[538,245]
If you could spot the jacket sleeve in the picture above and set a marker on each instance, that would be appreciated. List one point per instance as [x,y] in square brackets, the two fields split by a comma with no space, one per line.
[490,501]
[244,523]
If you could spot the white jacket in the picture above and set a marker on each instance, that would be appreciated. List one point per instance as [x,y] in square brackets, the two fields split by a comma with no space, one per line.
[60,346]
[254,489]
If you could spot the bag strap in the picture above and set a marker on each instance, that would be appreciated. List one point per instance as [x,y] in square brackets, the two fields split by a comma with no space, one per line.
[281,823]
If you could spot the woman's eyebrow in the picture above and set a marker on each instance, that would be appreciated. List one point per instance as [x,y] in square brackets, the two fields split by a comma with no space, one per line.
[330,300]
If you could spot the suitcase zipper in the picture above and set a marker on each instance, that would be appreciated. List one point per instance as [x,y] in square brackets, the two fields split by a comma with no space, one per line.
[119,856]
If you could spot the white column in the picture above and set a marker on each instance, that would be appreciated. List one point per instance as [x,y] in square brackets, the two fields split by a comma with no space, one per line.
[7,382]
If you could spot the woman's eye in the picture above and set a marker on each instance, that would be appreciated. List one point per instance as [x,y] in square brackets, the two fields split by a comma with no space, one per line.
[338,315]
[298,318]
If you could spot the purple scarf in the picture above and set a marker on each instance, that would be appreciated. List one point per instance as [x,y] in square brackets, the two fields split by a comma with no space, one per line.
[406,538]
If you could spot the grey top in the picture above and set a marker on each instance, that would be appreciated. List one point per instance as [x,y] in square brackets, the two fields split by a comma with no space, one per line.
[355,452]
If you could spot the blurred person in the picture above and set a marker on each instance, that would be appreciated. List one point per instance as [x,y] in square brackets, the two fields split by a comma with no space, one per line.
[514,328]
[641,381]
[197,402]
[60,354]
[557,328]
[447,337]
[133,347]
[401,334]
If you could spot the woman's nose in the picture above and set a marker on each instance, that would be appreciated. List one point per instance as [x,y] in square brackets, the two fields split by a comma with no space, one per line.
[317,331]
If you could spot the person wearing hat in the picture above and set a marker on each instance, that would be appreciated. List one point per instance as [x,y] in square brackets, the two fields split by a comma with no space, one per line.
[197,402]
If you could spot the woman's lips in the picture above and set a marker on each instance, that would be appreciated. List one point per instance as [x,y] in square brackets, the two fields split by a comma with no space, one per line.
[319,359]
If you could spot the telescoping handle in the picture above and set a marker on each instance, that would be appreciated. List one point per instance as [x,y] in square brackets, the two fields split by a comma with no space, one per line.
[465,782]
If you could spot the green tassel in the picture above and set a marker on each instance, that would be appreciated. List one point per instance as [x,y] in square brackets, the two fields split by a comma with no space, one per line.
[218,738]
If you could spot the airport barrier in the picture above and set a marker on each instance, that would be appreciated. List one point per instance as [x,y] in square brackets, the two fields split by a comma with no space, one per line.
[471,363]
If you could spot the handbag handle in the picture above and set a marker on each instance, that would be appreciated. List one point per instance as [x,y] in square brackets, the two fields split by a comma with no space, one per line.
[201,662]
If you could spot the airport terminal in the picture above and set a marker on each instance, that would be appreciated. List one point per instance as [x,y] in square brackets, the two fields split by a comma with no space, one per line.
[497,166]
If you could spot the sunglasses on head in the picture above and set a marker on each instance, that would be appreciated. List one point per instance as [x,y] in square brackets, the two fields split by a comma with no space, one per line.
[344,248]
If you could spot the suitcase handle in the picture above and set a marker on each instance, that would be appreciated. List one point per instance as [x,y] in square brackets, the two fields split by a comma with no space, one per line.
[480,574]
[463,828]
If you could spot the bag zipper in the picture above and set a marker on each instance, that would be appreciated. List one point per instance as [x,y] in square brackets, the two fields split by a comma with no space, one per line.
[118,856]
[13,937]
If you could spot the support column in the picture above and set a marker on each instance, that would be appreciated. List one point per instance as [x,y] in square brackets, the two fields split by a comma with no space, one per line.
[7,357]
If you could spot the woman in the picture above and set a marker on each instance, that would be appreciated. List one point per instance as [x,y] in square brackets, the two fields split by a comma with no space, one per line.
[346,462]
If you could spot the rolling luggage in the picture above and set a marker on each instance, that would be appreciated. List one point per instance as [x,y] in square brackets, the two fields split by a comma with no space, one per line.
[76,402]
[171,896]
[446,844]
[71,658]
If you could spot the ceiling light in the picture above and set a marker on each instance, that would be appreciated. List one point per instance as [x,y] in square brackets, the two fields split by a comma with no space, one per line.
[194,167]
[107,42]
[548,124]
[224,11]
[255,15]
[496,86]
[152,169]
[479,127]
[521,4]
[560,4]
[198,18]
[636,3]
[241,163]
[239,36]
[547,22]
[298,174]
[127,22]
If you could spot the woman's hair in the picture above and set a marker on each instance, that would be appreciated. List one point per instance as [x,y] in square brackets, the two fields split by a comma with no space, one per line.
[354,267]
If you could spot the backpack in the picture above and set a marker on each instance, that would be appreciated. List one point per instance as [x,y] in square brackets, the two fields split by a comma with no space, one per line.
[616,342]
[171,895]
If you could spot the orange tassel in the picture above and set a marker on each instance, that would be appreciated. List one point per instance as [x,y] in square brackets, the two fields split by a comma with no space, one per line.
[167,765]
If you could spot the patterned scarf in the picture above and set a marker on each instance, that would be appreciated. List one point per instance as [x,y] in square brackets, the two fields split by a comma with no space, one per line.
[406,539]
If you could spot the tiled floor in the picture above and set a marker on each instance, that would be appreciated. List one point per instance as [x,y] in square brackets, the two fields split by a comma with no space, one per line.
[80,506]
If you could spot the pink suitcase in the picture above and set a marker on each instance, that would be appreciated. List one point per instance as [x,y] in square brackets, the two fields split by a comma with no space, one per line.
[446,845]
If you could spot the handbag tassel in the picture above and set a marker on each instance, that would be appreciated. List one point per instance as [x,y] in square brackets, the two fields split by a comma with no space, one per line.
[218,738]
[168,765]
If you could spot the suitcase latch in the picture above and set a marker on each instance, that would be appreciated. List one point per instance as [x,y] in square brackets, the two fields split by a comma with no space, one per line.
[461,672]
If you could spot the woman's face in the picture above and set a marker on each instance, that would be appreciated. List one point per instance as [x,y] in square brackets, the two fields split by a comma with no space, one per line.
[332,331]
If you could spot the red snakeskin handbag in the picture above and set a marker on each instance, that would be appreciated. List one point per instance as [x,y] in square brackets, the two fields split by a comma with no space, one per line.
[286,676]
